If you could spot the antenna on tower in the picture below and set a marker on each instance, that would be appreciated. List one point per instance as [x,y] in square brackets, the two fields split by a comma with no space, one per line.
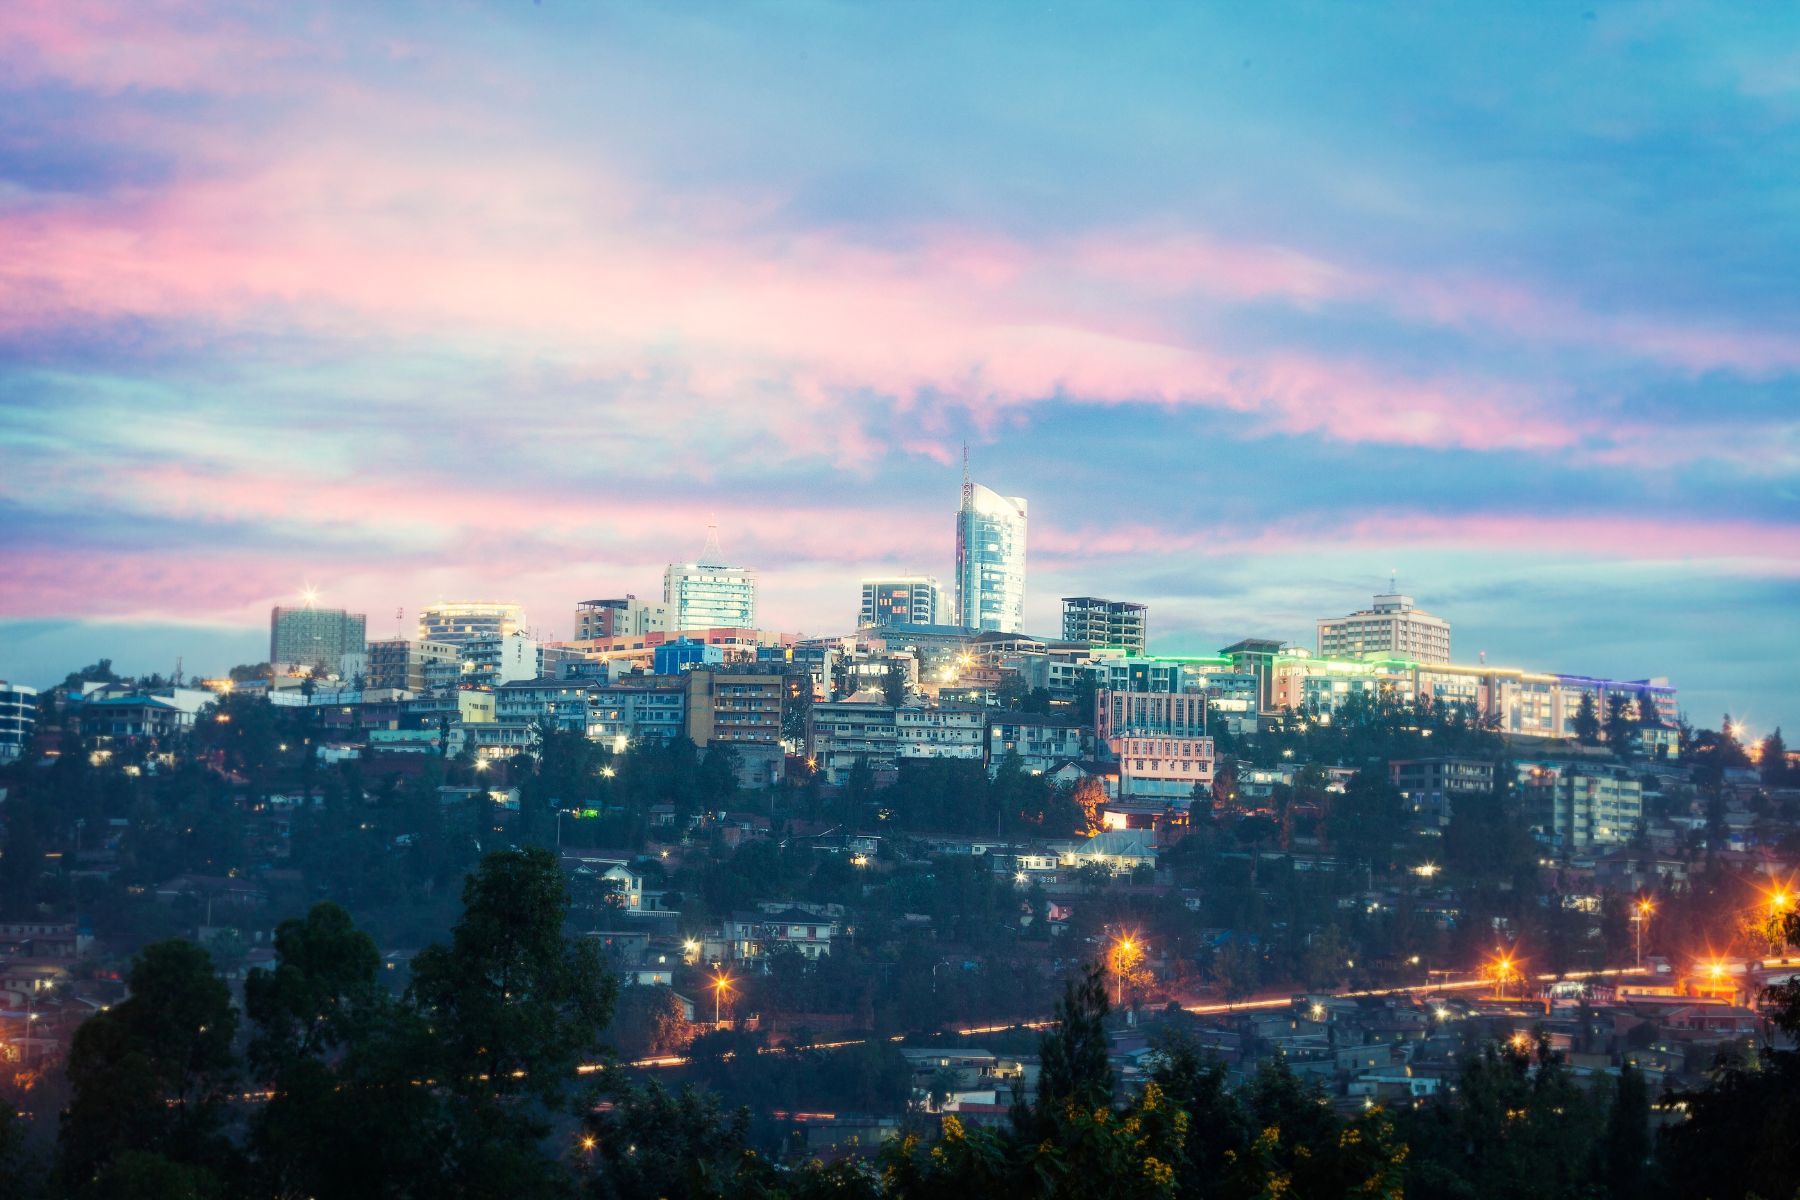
[710,553]
[177,670]
[968,491]
[1393,581]
[399,622]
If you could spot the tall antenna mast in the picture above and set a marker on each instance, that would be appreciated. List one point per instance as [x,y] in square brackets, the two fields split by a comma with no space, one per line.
[710,553]
[399,619]
[968,491]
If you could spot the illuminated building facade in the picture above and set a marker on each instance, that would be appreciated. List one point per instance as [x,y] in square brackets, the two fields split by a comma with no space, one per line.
[458,622]
[1391,627]
[702,595]
[990,560]
[898,600]
[1581,806]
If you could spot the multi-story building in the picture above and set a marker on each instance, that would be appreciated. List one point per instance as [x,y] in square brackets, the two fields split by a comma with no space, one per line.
[1581,806]
[1391,627]
[1099,622]
[647,710]
[1160,742]
[1040,742]
[1164,768]
[990,560]
[494,659]
[623,616]
[898,600]
[708,593]
[841,733]
[459,622]
[400,663]
[314,638]
[939,732]
[734,709]
[1431,787]
[18,717]
[1256,657]
[1166,714]
[564,704]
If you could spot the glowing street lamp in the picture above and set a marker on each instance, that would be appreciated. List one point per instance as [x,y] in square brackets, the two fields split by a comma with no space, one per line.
[1640,918]
[1126,953]
[721,985]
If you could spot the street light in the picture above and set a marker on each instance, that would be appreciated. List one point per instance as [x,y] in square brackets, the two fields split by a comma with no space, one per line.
[721,985]
[1642,918]
[1126,952]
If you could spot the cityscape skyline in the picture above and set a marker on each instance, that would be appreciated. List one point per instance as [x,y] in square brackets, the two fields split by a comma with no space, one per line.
[1442,320]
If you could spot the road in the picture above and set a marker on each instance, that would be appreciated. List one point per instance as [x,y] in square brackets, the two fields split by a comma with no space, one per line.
[1253,1003]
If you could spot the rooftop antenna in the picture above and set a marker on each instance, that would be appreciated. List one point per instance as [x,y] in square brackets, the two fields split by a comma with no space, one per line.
[177,679]
[710,553]
[1393,581]
[399,622]
[968,491]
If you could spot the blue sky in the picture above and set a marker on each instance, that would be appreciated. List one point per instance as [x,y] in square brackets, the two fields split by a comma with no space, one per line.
[1254,303]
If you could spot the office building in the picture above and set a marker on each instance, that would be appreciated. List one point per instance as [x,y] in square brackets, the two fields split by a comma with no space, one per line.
[709,594]
[314,638]
[460,622]
[1391,627]
[990,560]
[18,717]
[898,600]
[624,616]
[1119,624]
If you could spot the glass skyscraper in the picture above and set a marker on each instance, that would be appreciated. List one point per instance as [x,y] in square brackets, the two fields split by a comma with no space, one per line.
[990,560]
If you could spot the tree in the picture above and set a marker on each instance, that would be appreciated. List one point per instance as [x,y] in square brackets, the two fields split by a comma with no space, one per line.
[153,1073]
[1773,756]
[893,686]
[1619,725]
[1625,1146]
[1587,721]
[514,1007]
[338,1056]
[1075,1072]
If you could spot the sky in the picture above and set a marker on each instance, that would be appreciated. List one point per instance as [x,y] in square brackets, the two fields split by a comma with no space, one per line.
[1255,304]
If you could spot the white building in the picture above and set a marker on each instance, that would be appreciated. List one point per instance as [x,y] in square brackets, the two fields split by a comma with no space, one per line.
[1392,627]
[18,717]
[710,595]
[990,560]
[494,659]
[623,616]
[459,622]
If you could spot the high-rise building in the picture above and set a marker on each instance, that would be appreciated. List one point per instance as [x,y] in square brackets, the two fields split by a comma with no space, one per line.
[707,594]
[18,717]
[458,622]
[624,616]
[1393,626]
[1114,623]
[898,600]
[314,638]
[990,560]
